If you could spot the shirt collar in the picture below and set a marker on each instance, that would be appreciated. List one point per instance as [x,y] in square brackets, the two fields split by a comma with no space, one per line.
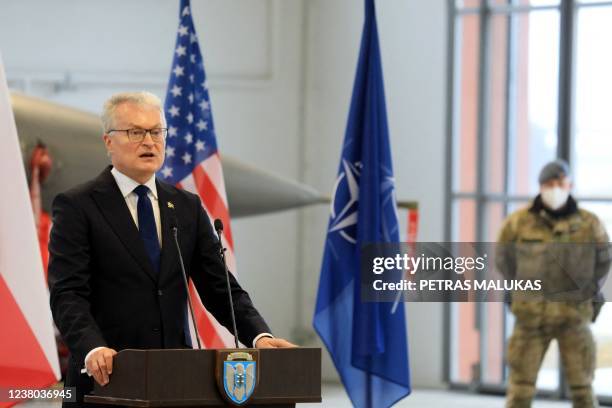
[127,185]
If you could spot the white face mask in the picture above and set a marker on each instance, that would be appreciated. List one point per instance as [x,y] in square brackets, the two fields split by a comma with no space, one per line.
[555,197]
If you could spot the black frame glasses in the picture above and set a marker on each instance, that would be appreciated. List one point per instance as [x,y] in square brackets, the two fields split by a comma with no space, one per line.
[137,135]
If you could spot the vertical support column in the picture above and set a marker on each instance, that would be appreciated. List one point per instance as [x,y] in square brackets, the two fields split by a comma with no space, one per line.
[448,171]
[566,78]
[481,143]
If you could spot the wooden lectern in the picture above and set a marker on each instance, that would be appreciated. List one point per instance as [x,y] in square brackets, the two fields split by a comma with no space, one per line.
[184,378]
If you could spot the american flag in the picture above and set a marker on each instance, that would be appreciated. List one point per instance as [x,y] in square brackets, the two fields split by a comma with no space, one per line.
[192,158]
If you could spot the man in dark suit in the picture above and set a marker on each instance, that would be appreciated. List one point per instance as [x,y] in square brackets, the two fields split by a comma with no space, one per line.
[114,274]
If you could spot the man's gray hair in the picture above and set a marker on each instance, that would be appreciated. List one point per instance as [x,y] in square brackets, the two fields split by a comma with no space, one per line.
[138,98]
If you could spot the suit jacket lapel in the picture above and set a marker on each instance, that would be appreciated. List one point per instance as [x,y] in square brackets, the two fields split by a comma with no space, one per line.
[112,205]
[168,217]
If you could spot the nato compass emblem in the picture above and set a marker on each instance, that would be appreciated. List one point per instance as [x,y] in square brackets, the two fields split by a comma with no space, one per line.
[345,201]
[345,204]
[237,374]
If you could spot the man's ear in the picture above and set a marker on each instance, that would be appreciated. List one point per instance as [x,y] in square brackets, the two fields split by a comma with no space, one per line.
[108,143]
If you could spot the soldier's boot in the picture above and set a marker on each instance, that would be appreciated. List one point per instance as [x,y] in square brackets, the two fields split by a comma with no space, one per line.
[520,395]
[583,397]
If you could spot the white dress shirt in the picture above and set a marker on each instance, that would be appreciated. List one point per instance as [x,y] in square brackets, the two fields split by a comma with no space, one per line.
[127,186]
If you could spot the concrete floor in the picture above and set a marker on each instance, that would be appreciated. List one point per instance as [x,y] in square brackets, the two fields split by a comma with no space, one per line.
[334,396]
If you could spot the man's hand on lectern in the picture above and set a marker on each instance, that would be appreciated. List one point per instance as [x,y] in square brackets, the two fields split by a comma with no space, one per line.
[272,342]
[100,364]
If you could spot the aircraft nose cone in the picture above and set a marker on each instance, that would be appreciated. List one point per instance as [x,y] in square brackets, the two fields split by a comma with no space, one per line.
[252,191]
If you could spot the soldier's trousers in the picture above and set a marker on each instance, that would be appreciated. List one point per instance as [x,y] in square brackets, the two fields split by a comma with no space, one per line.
[525,353]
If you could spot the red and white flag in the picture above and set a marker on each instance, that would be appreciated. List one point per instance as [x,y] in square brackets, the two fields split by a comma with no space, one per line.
[28,353]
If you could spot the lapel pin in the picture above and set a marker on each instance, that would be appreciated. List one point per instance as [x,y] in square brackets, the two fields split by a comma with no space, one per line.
[170,205]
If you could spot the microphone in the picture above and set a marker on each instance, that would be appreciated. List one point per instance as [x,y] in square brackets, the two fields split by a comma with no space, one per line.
[219,228]
[174,228]
[218,225]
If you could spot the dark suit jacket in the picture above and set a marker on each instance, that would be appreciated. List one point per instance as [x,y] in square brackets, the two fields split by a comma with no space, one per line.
[104,291]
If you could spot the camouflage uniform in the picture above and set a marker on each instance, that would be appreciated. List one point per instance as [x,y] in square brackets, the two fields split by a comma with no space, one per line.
[529,233]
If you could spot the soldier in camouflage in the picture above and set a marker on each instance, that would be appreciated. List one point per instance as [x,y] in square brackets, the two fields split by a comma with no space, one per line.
[553,227]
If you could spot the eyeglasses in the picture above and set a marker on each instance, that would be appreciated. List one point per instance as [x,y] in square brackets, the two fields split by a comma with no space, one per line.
[137,135]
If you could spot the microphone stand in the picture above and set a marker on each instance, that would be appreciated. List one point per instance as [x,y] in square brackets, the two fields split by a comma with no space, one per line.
[184,275]
[227,279]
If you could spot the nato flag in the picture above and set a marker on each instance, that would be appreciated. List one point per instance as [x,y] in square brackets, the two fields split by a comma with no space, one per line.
[367,341]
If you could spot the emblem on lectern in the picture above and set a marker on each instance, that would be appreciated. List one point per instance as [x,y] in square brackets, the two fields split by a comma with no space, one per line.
[237,374]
